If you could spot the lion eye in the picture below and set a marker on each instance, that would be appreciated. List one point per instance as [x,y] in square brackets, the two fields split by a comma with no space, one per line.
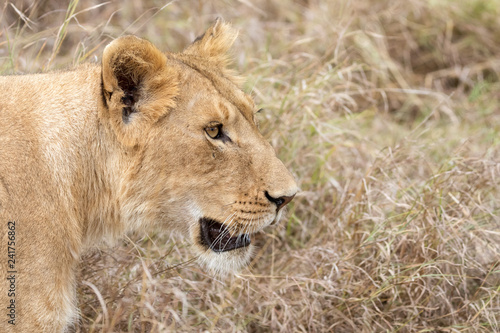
[214,132]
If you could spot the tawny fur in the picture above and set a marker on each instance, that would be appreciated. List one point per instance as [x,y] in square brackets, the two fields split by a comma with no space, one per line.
[90,154]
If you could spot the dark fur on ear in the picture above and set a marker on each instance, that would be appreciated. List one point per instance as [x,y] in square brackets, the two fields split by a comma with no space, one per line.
[138,86]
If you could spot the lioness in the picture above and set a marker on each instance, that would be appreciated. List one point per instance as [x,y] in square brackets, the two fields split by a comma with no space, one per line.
[147,139]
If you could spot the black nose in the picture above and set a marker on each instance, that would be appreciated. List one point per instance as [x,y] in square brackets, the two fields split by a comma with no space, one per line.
[280,202]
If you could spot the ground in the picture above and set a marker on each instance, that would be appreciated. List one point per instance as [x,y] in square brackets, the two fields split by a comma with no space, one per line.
[387,112]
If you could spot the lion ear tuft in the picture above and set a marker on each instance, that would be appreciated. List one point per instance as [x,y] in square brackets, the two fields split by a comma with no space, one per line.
[137,85]
[215,43]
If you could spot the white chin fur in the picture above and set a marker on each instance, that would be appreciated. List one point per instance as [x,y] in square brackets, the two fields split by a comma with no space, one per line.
[225,263]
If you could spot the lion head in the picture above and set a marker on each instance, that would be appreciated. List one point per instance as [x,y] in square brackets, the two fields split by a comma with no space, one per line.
[194,161]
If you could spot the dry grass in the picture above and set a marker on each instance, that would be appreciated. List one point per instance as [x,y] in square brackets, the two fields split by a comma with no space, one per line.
[388,114]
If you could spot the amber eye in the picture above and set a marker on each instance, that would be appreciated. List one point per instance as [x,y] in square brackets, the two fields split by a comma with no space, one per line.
[215,131]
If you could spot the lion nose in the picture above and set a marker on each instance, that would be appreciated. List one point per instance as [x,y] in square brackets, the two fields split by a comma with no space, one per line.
[281,201]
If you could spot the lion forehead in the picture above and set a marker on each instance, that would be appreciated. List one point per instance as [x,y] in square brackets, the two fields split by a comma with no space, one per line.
[219,83]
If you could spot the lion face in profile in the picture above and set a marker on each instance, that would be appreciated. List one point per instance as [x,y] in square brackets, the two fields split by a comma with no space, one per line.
[198,162]
[147,140]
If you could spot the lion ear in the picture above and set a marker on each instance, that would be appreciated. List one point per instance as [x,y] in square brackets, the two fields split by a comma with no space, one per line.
[138,87]
[215,43]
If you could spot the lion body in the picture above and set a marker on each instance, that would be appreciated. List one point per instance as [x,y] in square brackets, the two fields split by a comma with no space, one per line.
[90,154]
[44,140]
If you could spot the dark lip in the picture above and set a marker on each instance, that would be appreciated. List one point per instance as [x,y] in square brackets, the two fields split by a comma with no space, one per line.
[215,236]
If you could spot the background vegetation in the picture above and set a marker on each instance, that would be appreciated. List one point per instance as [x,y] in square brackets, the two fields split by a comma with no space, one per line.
[388,114]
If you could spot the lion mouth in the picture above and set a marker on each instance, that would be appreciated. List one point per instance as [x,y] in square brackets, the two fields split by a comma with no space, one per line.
[217,237]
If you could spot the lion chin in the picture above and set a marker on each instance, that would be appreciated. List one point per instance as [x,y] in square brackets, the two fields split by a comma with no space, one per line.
[218,250]
[226,263]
